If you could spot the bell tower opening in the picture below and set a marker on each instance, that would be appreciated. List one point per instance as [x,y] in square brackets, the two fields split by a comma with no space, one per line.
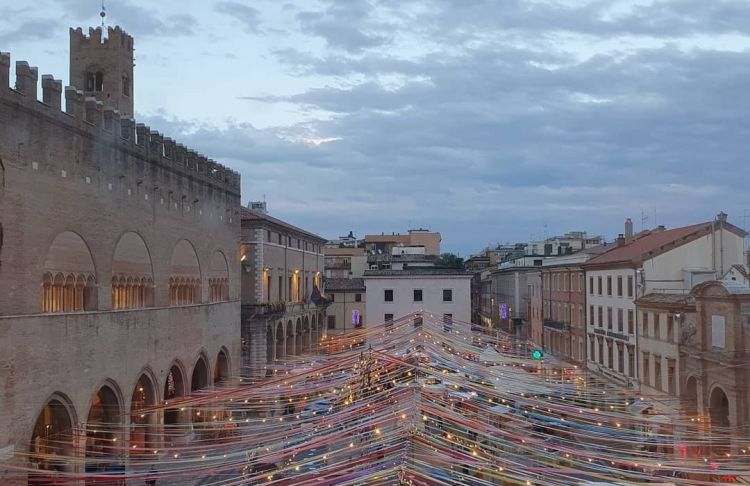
[103,67]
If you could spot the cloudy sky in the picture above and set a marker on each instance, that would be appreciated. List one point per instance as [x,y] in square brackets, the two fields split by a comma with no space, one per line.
[487,120]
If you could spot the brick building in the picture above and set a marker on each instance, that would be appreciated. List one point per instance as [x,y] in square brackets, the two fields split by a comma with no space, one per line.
[119,273]
[283,313]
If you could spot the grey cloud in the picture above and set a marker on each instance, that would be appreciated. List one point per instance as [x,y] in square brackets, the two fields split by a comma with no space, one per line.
[346,26]
[34,29]
[137,20]
[248,16]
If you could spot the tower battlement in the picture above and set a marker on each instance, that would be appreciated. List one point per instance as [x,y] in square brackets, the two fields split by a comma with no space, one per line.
[116,37]
[88,117]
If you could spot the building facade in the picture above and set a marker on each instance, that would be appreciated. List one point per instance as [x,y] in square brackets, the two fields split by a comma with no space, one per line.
[283,311]
[510,299]
[348,301]
[392,294]
[119,272]
[658,261]
[662,319]
[714,355]
[346,262]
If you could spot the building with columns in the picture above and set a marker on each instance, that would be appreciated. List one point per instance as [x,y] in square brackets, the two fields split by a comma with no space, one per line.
[119,270]
[656,261]
[283,311]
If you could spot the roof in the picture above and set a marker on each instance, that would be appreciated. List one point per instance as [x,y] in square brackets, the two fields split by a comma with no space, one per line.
[343,284]
[420,271]
[661,299]
[653,243]
[352,252]
[248,214]
[742,271]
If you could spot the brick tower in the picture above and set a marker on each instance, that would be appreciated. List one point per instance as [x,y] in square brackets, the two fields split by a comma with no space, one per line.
[103,68]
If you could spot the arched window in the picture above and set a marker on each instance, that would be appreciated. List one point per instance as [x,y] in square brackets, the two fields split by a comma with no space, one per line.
[132,275]
[185,280]
[73,287]
[99,81]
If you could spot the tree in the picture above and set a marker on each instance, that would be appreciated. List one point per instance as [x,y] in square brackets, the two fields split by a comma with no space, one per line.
[449,260]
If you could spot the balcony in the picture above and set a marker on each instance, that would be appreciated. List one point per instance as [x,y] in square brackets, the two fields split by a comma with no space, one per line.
[556,325]
[267,309]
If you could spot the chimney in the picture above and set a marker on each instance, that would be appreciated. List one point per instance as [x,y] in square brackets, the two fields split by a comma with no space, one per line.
[721,217]
[620,240]
[628,231]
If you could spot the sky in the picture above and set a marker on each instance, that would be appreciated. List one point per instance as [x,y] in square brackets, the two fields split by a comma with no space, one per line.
[490,121]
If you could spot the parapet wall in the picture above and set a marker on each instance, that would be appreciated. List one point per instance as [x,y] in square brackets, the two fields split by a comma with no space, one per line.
[89,118]
[115,35]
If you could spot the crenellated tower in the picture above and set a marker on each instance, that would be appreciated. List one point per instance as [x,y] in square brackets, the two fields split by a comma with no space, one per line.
[103,67]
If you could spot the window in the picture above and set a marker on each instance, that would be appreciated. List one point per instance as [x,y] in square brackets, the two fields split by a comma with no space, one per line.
[630,285]
[592,350]
[591,315]
[609,285]
[657,326]
[601,316]
[671,384]
[268,236]
[619,285]
[644,323]
[388,319]
[599,285]
[620,359]
[609,318]
[620,322]
[99,81]
[279,238]
[388,295]
[357,297]
[591,285]
[281,287]
[630,321]
[447,295]
[717,332]
[601,350]
[646,366]
[331,322]
[417,295]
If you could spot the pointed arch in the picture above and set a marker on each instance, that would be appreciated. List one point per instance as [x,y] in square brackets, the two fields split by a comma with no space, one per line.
[185,268]
[218,278]
[53,432]
[131,262]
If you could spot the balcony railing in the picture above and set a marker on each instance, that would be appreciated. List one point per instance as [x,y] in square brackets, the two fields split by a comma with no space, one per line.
[266,309]
[556,325]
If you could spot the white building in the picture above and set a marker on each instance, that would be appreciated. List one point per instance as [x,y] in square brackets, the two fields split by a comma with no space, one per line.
[661,261]
[392,294]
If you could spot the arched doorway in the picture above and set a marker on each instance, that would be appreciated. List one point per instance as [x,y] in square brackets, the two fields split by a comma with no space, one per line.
[289,339]
[719,408]
[103,431]
[280,348]
[199,379]
[174,388]
[298,338]
[221,370]
[143,434]
[53,436]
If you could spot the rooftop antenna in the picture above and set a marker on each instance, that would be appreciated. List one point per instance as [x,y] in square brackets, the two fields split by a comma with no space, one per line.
[103,14]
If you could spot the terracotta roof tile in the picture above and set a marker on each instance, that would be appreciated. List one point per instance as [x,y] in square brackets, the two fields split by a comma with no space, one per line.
[654,243]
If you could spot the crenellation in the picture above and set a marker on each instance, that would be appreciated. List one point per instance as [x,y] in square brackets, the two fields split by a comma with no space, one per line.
[156,147]
[127,129]
[93,109]
[142,135]
[52,92]
[111,120]
[173,158]
[74,102]
[26,79]
[4,70]
[169,148]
